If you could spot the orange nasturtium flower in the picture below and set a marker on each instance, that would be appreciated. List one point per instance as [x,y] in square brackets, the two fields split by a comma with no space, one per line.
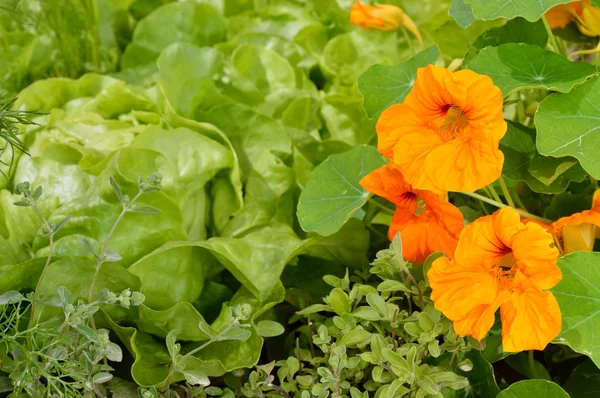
[583,13]
[580,230]
[384,17]
[501,263]
[426,222]
[445,135]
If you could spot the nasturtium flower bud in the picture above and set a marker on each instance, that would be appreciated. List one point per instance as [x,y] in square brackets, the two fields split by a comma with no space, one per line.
[583,13]
[383,17]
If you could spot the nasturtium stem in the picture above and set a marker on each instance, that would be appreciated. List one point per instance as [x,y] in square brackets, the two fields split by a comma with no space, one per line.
[409,41]
[506,192]
[501,205]
[494,194]
[550,35]
[519,202]
[382,207]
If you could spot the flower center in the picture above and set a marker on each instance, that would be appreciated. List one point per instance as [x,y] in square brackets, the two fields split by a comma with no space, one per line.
[504,270]
[454,123]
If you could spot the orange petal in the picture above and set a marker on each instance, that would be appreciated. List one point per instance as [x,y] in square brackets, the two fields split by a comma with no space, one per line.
[480,319]
[436,229]
[535,255]
[435,88]
[395,122]
[389,183]
[410,155]
[457,290]
[463,164]
[483,107]
[586,216]
[486,240]
[559,16]
[530,320]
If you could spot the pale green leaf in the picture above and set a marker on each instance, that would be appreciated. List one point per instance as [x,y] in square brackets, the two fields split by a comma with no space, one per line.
[531,10]
[461,11]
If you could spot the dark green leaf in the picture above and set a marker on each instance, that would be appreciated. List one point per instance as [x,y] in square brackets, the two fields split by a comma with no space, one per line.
[533,388]
[514,66]
[567,124]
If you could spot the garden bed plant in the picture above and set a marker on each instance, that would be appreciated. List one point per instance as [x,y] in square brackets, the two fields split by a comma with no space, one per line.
[299,198]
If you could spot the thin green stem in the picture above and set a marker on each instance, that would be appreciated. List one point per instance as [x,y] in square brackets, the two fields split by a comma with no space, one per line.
[553,42]
[409,41]
[48,260]
[506,192]
[501,205]
[106,241]
[495,194]
[518,201]
[382,207]
[531,361]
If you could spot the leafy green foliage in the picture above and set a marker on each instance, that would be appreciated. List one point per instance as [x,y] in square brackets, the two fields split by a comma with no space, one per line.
[333,192]
[230,268]
[531,10]
[542,174]
[574,115]
[383,86]
[577,296]
[517,66]
[527,387]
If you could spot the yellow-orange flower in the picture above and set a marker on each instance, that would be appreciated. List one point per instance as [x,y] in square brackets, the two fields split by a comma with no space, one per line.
[583,13]
[580,230]
[384,17]
[445,135]
[501,263]
[426,222]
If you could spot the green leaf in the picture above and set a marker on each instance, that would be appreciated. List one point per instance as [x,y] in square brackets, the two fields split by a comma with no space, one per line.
[567,124]
[520,363]
[517,30]
[185,21]
[531,10]
[257,260]
[268,328]
[584,381]
[386,85]
[196,377]
[462,12]
[523,163]
[356,337]
[75,274]
[173,273]
[578,296]
[333,193]
[533,388]
[514,66]
[482,382]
